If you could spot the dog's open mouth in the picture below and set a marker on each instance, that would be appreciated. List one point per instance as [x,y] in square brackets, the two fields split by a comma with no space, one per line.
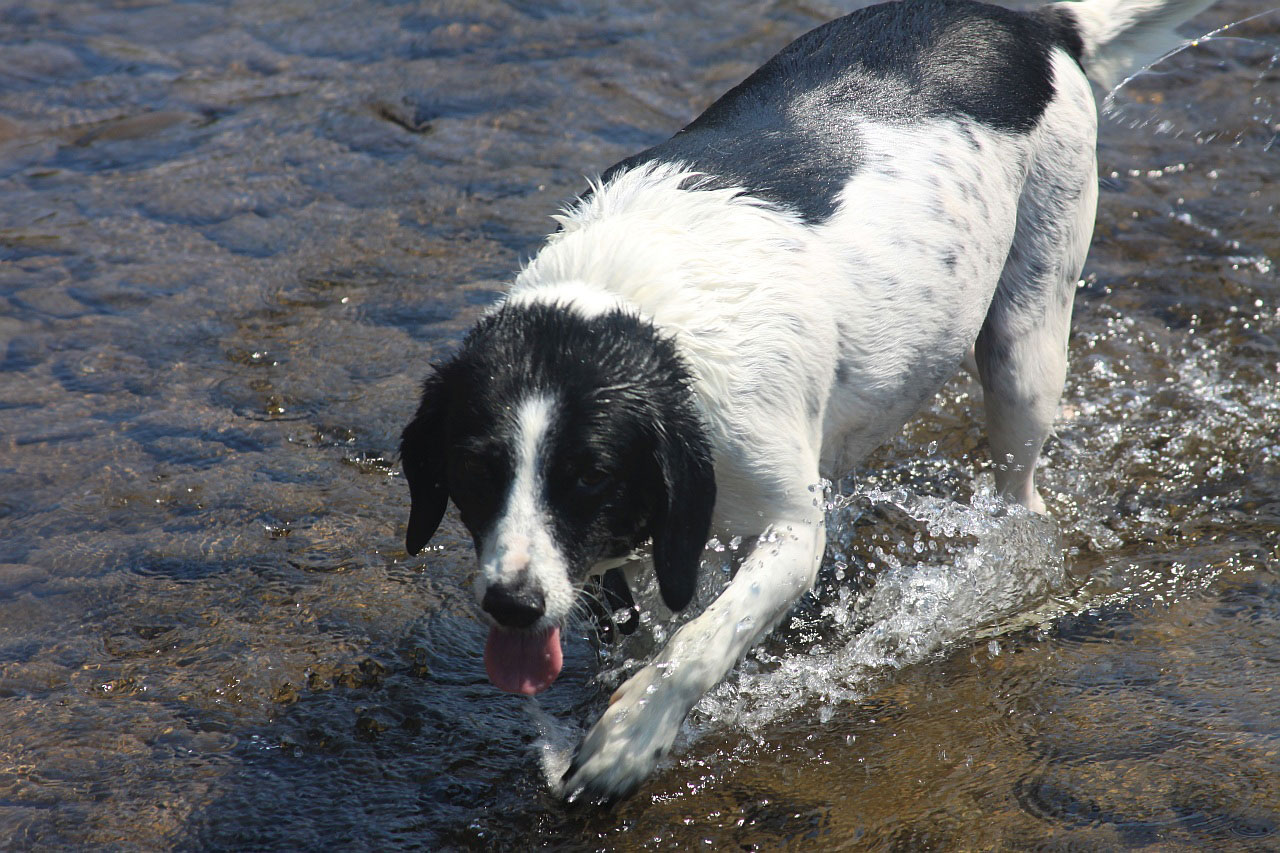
[523,662]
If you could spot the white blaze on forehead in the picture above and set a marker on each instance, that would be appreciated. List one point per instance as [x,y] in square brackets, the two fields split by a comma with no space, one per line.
[509,550]
[533,422]
[521,540]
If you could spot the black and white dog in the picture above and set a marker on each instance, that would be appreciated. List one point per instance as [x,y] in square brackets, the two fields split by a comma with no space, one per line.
[756,304]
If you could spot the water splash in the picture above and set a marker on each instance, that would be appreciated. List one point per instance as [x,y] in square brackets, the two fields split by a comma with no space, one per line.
[969,568]
[554,745]
[966,569]
[1144,110]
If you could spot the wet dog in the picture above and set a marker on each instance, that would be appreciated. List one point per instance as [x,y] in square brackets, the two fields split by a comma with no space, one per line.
[758,302]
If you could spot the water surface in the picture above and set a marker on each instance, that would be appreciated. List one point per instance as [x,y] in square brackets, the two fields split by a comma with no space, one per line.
[234,236]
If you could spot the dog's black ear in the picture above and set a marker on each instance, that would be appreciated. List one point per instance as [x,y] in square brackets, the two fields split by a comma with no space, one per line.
[422,457]
[682,517]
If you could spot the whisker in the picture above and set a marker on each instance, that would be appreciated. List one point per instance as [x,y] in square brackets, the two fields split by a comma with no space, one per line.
[587,595]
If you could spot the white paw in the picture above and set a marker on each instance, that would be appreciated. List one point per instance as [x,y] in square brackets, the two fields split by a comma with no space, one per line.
[1036,503]
[626,743]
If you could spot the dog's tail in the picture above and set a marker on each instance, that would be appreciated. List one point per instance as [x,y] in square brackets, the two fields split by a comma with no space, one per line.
[1122,37]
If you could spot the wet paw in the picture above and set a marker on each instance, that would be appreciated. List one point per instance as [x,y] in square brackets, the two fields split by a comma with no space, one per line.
[625,745]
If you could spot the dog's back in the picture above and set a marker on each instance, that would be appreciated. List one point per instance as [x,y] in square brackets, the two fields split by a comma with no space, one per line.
[789,133]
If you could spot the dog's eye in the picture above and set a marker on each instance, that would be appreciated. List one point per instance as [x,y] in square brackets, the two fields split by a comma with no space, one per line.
[467,466]
[593,480]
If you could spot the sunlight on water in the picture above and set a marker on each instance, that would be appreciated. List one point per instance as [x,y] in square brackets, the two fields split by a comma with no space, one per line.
[968,567]
[234,237]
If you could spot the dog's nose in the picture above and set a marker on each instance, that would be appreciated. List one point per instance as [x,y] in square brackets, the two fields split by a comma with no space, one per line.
[517,607]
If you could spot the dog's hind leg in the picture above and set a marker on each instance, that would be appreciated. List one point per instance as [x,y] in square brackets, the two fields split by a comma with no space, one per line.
[1022,349]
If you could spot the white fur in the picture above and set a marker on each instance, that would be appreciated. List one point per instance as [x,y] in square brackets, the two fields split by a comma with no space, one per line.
[522,542]
[1055,224]
[733,281]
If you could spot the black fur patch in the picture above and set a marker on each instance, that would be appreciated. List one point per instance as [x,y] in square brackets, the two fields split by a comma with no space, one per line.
[788,133]
[625,459]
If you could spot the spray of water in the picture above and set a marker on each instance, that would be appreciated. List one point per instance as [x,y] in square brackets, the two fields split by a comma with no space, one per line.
[968,568]
[1138,111]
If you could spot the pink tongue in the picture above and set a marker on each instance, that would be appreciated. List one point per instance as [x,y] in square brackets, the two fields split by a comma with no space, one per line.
[520,662]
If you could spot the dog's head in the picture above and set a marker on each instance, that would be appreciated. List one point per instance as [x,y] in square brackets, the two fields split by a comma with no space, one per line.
[563,440]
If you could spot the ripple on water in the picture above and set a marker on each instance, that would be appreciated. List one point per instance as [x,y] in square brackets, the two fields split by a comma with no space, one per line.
[235,236]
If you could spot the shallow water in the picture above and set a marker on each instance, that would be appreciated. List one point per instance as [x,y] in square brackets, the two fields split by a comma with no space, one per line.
[235,234]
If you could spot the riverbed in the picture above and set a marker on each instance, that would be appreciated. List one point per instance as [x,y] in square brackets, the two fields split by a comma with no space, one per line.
[233,238]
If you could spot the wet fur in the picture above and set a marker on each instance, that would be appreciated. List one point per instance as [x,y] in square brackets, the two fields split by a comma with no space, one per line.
[758,303]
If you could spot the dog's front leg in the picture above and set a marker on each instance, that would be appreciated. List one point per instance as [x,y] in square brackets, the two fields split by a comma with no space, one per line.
[645,713]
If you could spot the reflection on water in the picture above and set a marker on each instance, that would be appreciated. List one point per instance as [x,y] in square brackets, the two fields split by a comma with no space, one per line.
[234,237]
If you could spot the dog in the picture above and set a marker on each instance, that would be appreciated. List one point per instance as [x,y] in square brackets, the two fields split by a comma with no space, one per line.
[757,303]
